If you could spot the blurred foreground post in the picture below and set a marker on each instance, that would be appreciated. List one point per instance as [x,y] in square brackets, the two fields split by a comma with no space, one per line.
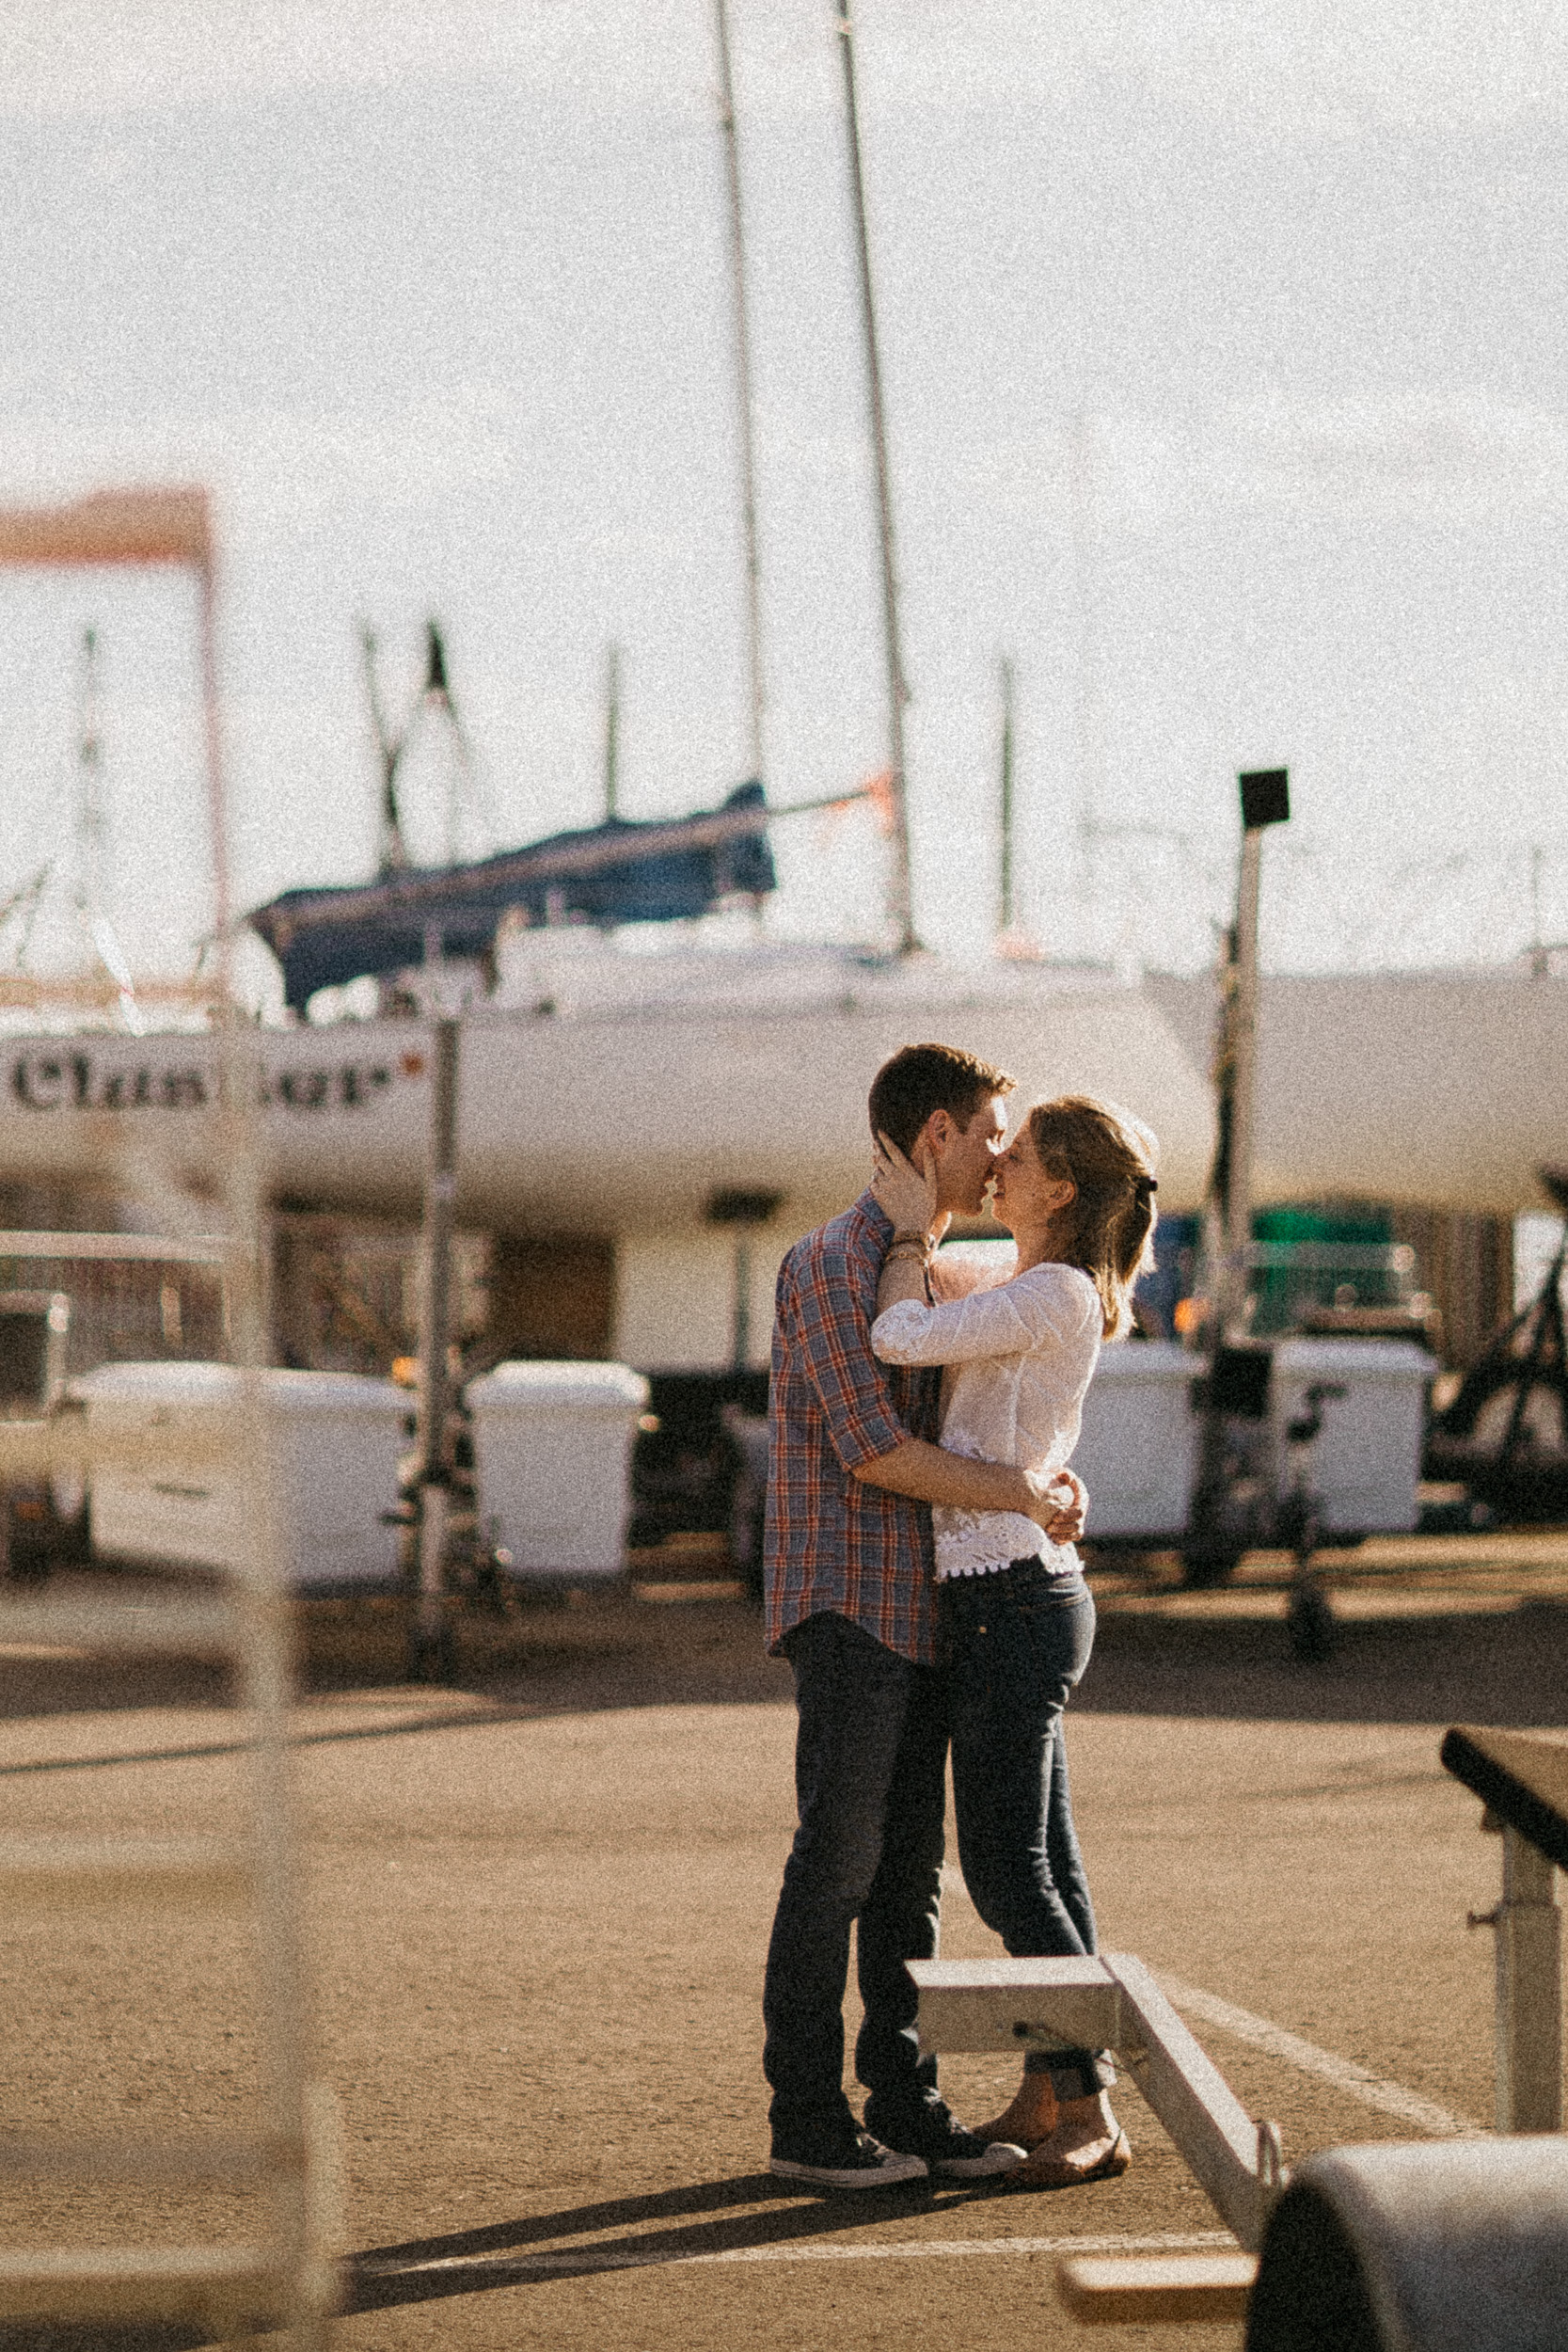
[286,2278]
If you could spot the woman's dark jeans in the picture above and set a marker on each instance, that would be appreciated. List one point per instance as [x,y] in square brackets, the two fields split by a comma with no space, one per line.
[1016,1642]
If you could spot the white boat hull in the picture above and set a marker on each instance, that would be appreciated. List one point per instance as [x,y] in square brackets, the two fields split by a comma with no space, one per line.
[623,1117]
[606,1120]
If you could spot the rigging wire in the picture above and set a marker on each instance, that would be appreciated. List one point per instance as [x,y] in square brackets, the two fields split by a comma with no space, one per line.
[465,783]
[24,901]
[1329,907]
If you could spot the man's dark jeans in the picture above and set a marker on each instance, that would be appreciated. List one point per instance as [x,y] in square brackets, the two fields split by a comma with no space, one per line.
[870,1764]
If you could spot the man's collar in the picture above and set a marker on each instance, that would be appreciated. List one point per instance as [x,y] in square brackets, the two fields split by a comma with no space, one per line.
[872,1209]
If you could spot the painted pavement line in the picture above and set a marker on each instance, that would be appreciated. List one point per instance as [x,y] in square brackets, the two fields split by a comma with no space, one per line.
[1358,2081]
[894,2249]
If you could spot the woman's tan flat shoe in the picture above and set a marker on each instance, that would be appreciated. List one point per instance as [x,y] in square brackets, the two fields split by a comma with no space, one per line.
[1000,2128]
[1009,2126]
[1040,2169]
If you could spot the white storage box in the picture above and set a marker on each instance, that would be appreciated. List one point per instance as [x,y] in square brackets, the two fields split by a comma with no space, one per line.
[335,1438]
[552,1456]
[1367,1457]
[1139,1448]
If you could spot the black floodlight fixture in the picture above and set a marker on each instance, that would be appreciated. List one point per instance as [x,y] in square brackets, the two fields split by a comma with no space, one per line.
[1265,798]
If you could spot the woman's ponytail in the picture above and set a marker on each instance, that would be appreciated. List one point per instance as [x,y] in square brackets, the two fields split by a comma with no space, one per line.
[1109,1156]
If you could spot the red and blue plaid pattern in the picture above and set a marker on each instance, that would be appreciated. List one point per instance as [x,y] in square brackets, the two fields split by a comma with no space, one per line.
[831,1543]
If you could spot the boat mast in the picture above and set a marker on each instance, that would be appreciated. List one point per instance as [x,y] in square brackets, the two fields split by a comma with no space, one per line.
[743,385]
[613,735]
[897,691]
[1006,906]
[438,696]
[392,855]
[1089,716]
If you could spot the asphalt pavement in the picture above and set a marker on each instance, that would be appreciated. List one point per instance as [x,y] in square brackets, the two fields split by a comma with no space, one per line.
[539,1900]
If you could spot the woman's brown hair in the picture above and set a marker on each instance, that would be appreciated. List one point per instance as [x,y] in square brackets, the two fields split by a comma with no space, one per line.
[1110,1157]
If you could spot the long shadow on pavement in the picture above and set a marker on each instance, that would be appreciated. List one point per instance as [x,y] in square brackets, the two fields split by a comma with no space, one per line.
[617,1652]
[427,2268]
[1507,1667]
[706,2217]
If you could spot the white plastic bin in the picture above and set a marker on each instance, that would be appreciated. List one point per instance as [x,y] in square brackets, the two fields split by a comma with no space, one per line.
[1367,1457]
[336,1439]
[553,1454]
[1137,1450]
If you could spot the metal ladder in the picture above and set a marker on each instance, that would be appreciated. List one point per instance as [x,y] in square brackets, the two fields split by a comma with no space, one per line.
[286,2278]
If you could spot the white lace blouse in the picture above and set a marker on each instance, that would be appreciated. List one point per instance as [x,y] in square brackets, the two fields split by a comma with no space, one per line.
[1020,1356]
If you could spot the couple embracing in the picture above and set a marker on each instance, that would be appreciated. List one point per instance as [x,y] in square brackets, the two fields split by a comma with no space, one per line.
[922,1580]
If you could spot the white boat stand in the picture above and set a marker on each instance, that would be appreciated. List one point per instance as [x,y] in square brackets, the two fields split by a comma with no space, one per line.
[1111,2001]
[1523,1783]
[1392,2247]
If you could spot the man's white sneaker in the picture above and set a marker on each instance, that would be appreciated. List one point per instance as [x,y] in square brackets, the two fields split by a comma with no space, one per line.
[859,2162]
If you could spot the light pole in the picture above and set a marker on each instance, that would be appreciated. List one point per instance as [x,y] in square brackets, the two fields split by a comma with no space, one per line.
[1265,800]
[1221,1524]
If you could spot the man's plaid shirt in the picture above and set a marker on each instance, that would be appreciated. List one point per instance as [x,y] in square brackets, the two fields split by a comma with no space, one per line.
[831,1543]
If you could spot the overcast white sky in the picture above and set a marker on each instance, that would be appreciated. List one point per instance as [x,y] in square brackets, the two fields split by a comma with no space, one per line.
[1224,356]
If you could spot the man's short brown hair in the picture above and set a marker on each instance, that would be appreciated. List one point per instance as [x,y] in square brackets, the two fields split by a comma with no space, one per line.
[921,1079]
